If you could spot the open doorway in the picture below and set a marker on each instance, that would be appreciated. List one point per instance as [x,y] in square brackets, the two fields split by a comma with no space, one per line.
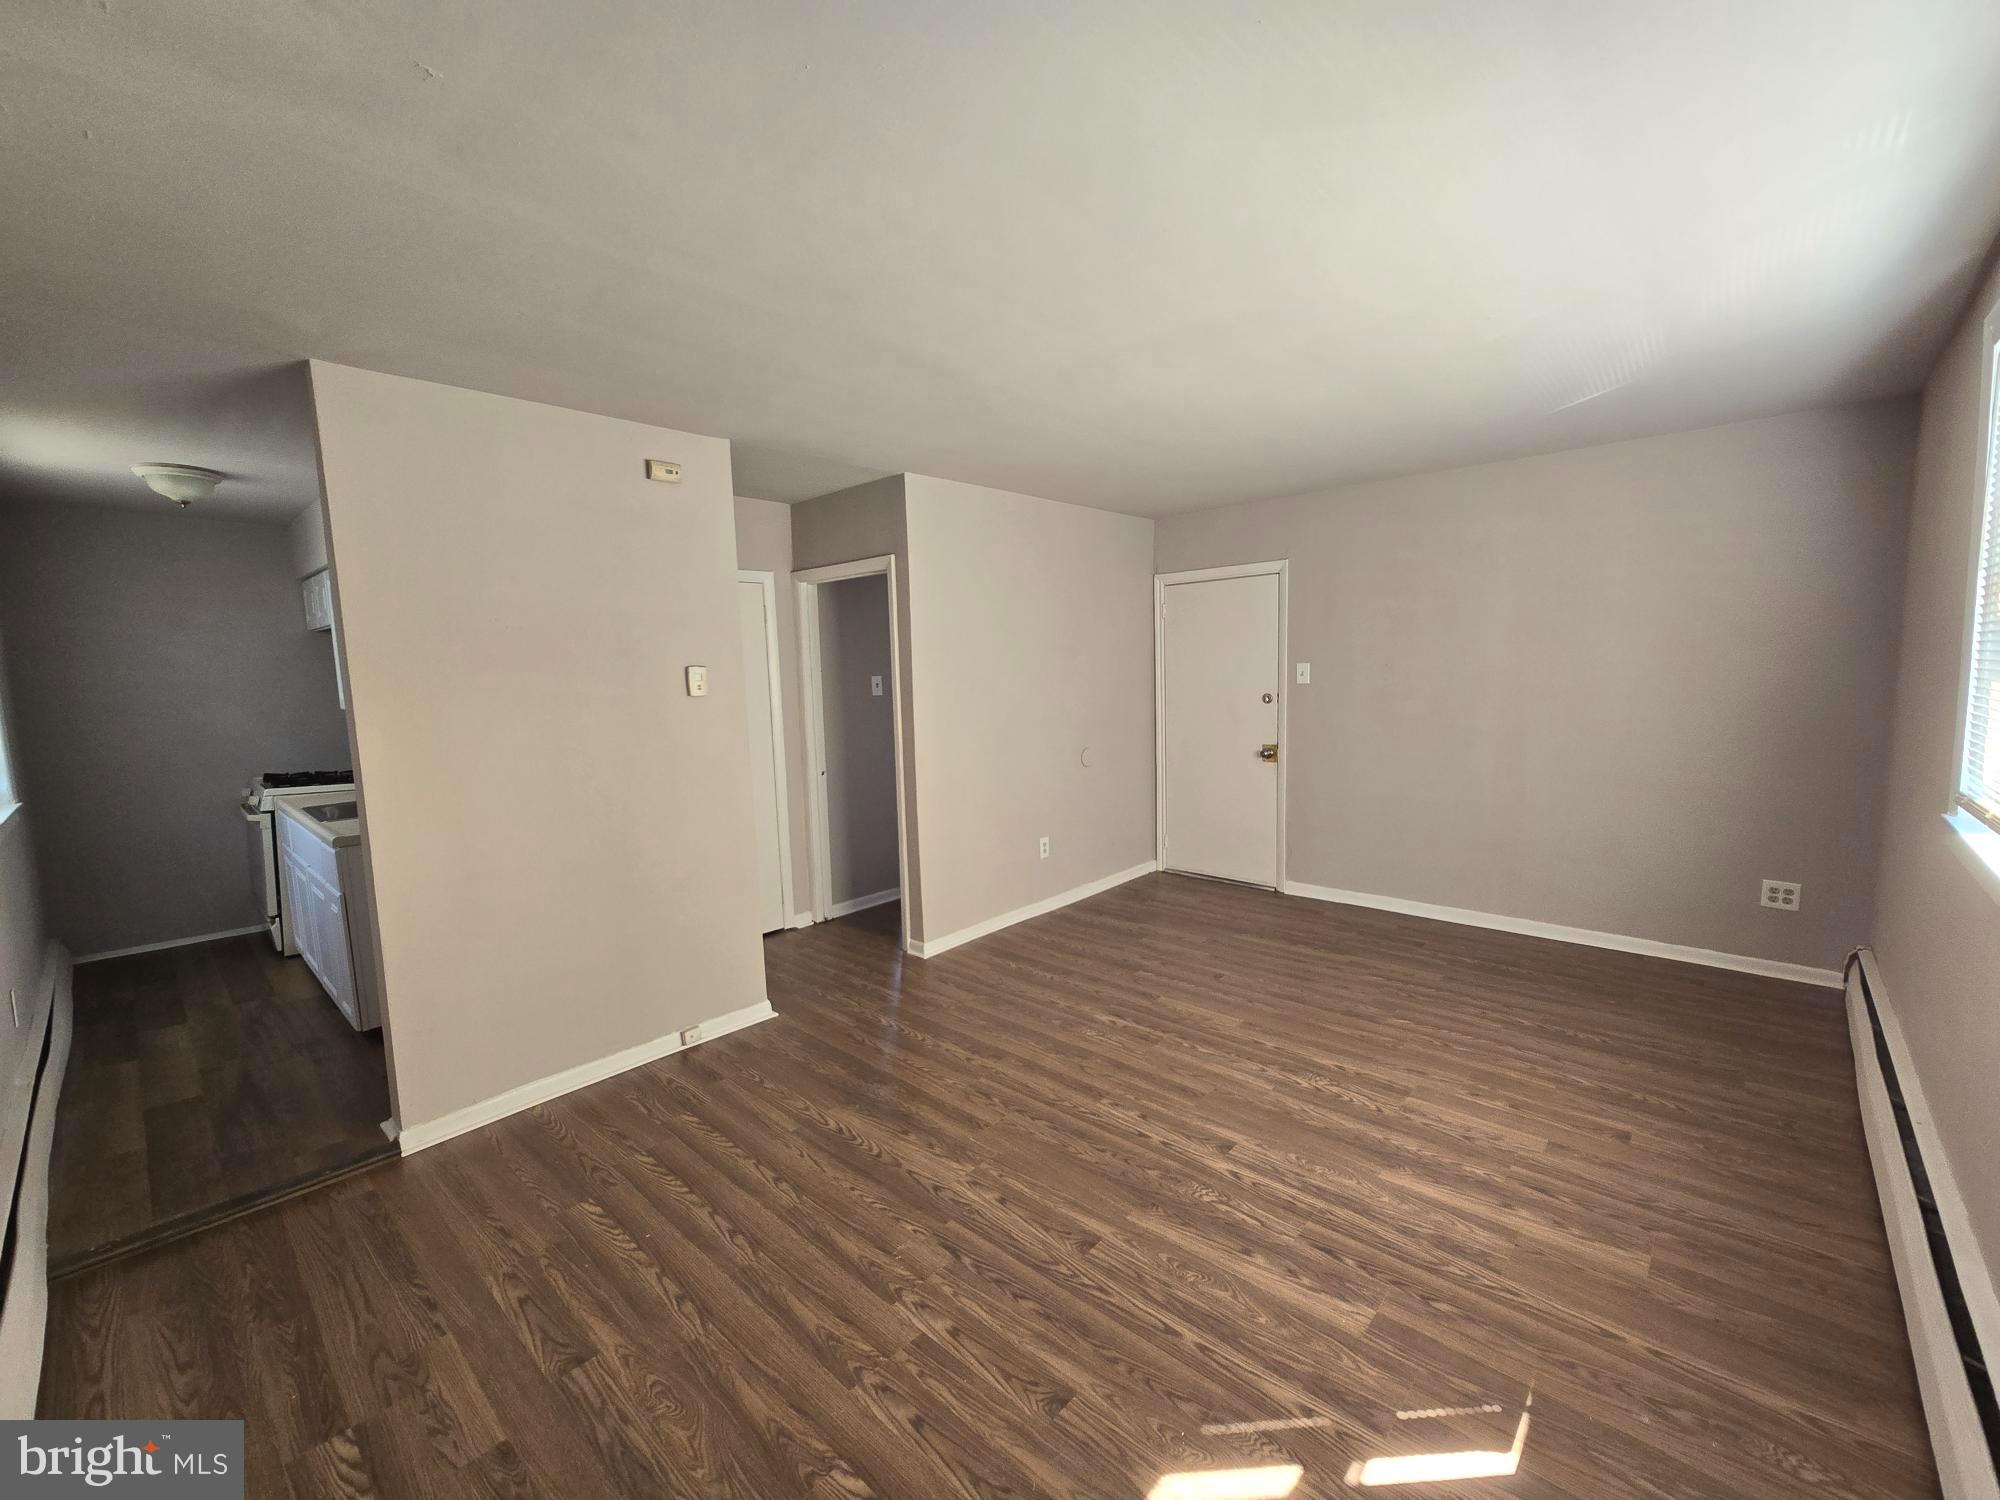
[850,661]
[177,703]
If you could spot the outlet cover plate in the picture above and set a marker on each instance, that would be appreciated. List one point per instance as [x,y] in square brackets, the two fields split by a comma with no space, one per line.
[1781,894]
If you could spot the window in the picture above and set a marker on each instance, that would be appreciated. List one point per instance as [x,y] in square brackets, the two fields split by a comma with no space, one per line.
[7,797]
[6,768]
[1979,767]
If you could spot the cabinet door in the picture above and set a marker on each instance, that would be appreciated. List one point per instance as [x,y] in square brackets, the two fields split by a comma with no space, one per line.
[318,595]
[302,911]
[338,972]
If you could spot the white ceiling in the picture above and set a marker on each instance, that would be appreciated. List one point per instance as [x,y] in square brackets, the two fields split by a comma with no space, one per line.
[1144,254]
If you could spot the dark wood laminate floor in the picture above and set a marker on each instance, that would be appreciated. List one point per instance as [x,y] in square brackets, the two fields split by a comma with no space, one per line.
[1079,1205]
[203,1079]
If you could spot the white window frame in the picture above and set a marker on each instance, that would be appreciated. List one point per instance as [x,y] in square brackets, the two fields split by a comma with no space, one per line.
[1978,838]
[10,797]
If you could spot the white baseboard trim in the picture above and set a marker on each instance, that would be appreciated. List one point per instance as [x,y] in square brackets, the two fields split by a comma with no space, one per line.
[932,947]
[200,937]
[1769,967]
[799,919]
[862,903]
[1965,1464]
[569,1080]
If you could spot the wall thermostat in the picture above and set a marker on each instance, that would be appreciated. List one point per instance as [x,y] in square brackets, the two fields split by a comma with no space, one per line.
[660,469]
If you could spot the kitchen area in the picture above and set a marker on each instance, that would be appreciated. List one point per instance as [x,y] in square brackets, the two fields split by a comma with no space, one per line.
[178,701]
[305,832]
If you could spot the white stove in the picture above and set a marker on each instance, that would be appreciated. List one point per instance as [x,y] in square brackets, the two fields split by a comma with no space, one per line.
[260,799]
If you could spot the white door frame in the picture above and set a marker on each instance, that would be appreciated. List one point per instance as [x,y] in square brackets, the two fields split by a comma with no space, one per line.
[807,582]
[768,581]
[1161,582]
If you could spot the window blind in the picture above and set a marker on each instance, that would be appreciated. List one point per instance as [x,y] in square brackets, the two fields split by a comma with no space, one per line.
[1979,771]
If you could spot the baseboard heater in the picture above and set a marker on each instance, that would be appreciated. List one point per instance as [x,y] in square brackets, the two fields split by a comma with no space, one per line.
[24,1285]
[1948,1299]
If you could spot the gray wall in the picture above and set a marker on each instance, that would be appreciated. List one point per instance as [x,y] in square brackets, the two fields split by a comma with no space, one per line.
[307,539]
[1938,932]
[1611,688]
[561,838]
[1032,642]
[159,660]
[860,737]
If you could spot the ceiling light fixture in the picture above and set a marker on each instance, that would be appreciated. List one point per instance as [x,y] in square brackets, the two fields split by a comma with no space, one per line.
[181,483]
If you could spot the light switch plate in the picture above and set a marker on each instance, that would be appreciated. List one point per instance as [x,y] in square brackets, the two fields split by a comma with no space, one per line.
[1305,671]
[875,686]
[697,682]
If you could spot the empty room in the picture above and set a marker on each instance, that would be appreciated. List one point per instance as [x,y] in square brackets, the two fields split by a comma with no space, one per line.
[1122,752]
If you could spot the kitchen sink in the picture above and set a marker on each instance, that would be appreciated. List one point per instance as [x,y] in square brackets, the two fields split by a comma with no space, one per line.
[335,812]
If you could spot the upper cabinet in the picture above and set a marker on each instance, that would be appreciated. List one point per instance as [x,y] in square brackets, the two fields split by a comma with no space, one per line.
[318,591]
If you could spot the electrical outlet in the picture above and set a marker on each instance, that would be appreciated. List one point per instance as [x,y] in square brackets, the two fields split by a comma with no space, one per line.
[1783,894]
[1305,671]
[1045,846]
[690,1035]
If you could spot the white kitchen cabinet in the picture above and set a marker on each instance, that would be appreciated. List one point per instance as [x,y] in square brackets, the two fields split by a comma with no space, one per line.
[309,870]
[317,590]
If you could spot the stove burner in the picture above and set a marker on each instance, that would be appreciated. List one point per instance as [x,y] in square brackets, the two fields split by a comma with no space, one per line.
[306,778]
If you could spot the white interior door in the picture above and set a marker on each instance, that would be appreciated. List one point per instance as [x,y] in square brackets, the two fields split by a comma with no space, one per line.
[766,802]
[1219,723]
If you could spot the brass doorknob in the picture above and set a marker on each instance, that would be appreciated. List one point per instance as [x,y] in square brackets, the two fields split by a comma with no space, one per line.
[1268,752]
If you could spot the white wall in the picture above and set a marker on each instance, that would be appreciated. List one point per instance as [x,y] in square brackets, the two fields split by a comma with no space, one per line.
[764,543]
[1612,688]
[1031,642]
[160,659]
[561,837]
[1938,932]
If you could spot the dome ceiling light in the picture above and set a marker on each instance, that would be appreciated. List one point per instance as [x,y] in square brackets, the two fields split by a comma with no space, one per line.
[181,483]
